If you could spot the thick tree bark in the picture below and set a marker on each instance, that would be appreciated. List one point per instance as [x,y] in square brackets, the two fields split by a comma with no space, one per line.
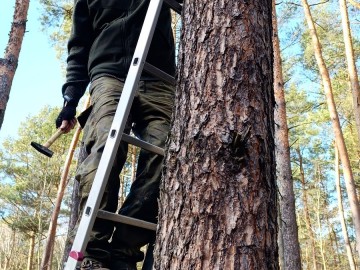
[349,252]
[218,195]
[9,63]
[287,214]
[339,138]
[350,58]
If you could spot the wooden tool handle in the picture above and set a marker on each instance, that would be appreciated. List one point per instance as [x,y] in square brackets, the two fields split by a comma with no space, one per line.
[53,138]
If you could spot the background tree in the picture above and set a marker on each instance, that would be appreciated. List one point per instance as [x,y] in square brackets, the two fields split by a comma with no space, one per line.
[9,63]
[288,231]
[218,197]
[339,138]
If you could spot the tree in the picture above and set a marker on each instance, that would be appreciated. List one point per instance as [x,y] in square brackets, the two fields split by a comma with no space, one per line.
[8,64]
[218,194]
[353,75]
[341,213]
[287,215]
[339,138]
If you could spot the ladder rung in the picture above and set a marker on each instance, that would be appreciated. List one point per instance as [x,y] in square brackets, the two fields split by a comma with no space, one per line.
[159,73]
[142,144]
[174,5]
[126,220]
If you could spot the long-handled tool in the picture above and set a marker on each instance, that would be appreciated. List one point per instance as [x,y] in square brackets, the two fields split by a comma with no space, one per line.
[44,149]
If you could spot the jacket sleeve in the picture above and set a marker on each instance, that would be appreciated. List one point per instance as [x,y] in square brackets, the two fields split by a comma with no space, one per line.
[81,38]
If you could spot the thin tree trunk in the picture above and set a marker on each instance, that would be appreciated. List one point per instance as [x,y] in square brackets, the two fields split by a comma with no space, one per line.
[339,138]
[287,224]
[31,251]
[341,213]
[218,194]
[334,243]
[350,58]
[319,221]
[12,248]
[9,63]
[306,211]
[49,246]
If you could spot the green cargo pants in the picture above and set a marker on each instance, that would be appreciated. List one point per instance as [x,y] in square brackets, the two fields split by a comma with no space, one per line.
[150,121]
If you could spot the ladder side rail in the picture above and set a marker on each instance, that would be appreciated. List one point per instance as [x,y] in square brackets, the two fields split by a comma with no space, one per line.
[115,134]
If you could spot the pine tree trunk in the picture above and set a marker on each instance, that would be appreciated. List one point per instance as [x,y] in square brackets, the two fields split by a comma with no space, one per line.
[218,194]
[9,63]
[339,138]
[287,223]
[320,229]
[350,58]
[31,251]
[306,211]
[349,252]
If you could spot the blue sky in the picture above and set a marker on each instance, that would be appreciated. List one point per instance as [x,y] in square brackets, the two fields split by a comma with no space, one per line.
[38,78]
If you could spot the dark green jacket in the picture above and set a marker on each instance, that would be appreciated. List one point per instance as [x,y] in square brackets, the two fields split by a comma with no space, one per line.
[103,39]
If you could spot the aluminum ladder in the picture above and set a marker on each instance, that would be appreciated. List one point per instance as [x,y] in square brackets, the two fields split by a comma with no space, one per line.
[116,134]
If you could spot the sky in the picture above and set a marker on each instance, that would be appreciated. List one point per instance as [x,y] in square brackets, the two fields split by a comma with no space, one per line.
[38,78]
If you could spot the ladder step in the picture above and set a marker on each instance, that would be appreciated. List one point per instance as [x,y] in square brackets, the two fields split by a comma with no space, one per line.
[142,144]
[126,220]
[174,5]
[159,73]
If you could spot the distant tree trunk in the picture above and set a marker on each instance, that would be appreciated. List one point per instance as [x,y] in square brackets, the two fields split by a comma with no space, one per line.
[334,243]
[9,63]
[12,248]
[218,194]
[320,228]
[31,251]
[339,138]
[341,213]
[350,58]
[306,211]
[287,223]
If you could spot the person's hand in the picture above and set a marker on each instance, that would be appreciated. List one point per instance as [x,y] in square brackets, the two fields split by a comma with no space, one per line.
[67,126]
[66,120]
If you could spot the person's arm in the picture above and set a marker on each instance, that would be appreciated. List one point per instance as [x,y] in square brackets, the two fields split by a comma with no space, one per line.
[77,77]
